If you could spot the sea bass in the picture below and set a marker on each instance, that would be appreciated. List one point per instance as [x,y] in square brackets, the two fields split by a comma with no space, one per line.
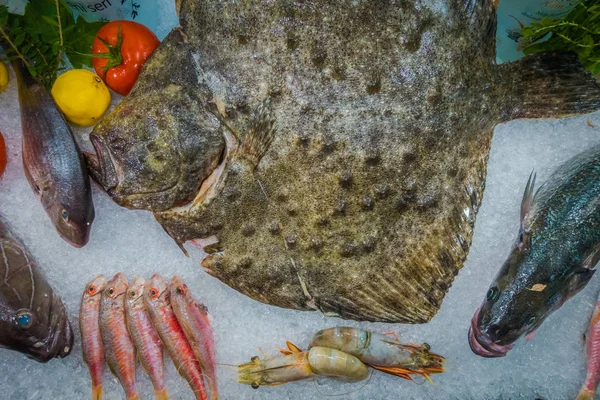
[33,319]
[592,342]
[195,321]
[553,258]
[157,299]
[91,340]
[145,338]
[118,346]
[330,154]
[52,161]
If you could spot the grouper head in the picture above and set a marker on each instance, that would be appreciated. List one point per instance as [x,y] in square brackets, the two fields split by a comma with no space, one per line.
[33,319]
[545,268]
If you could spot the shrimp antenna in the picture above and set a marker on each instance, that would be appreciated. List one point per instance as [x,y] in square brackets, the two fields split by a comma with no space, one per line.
[346,393]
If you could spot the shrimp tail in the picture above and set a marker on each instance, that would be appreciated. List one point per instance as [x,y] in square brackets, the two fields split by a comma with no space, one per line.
[276,370]
[161,394]
[97,392]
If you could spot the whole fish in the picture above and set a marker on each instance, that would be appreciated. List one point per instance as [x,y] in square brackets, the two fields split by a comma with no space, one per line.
[196,324]
[157,299]
[592,342]
[91,340]
[552,259]
[52,161]
[33,319]
[118,346]
[145,338]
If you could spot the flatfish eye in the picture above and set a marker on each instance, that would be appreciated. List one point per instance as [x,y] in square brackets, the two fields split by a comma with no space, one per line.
[24,319]
[153,293]
[92,290]
[65,215]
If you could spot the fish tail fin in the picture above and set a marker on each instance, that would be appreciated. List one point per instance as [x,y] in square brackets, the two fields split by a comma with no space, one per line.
[161,394]
[97,392]
[547,85]
[585,394]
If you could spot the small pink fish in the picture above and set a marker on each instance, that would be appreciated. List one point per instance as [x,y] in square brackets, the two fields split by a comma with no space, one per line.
[157,299]
[118,346]
[588,391]
[91,342]
[195,321]
[145,337]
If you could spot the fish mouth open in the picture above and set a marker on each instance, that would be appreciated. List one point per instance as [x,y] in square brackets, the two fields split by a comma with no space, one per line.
[482,345]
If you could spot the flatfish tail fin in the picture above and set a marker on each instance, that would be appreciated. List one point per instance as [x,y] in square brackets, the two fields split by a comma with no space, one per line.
[547,85]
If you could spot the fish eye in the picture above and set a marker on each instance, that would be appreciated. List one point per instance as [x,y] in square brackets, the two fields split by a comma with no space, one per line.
[153,293]
[181,289]
[132,294]
[65,215]
[92,290]
[111,291]
[24,319]
[531,320]
[492,294]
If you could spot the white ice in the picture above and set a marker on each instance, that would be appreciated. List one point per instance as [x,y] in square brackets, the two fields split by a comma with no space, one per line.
[550,366]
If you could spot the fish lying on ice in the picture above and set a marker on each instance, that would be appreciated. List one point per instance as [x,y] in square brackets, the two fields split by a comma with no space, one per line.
[52,162]
[331,155]
[157,299]
[194,319]
[118,347]
[592,344]
[33,319]
[145,338]
[91,339]
[553,258]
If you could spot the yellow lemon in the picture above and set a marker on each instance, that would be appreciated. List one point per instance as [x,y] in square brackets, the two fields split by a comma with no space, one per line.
[81,96]
[3,77]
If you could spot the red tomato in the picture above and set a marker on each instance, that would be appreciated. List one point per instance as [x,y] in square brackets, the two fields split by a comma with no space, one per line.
[125,46]
[2,155]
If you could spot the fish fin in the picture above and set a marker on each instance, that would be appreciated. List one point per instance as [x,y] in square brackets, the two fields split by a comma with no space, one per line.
[528,196]
[585,394]
[547,85]
[161,394]
[178,242]
[481,17]
[97,392]
[260,134]
[592,258]
[530,335]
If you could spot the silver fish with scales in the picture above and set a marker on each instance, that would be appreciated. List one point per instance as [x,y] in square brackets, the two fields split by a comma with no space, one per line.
[328,155]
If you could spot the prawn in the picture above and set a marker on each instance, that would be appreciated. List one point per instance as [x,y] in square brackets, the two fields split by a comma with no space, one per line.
[381,352]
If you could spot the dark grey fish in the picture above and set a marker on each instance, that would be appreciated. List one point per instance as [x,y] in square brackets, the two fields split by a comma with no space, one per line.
[553,258]
[329,155]
[33,319]
[52,161]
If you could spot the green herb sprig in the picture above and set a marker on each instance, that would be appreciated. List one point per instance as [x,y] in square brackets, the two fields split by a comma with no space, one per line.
[578,31]
[43,34]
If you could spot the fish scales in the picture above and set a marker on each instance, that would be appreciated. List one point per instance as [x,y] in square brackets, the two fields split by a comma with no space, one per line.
[91,339]
[356,141]
[158,304]
[145,338]
[118,346]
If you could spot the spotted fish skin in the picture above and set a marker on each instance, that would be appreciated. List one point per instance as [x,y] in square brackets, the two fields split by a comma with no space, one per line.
[145,337]
[157,299]
[352,137]
[592,343]
[118,346]
[33,318]
[91,340]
